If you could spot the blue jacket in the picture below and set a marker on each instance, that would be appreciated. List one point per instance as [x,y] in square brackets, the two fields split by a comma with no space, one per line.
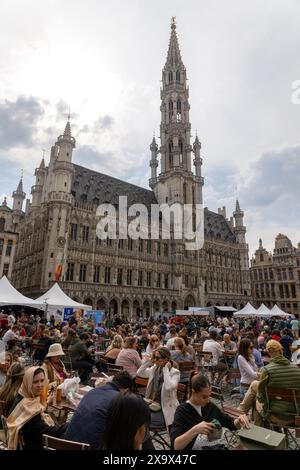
[88,422]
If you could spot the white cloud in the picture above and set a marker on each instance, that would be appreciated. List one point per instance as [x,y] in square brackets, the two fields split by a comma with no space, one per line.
[104,60]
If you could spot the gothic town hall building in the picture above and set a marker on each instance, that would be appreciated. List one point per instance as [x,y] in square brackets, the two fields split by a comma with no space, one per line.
[130,277]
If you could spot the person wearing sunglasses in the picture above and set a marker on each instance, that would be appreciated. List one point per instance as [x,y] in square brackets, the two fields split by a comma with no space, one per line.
[153,344]
[162,386]
[246,365]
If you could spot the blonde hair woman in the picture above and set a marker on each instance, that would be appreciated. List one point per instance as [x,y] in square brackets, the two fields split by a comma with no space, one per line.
[114,348]
[129,358]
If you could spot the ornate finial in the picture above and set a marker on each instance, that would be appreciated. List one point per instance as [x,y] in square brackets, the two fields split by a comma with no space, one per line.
[173,22]
[44,151]
[5,201]
[21,173]
[69,114]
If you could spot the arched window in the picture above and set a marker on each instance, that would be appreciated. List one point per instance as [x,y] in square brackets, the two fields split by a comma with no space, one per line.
[170,77]
[178,114]
[178,76]
[170,110]
[180,144]
[171,154]
[184,193]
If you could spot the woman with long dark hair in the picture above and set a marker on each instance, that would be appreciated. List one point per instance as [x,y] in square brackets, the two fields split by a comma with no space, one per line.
[196,415]
[246,364]
[127,419]
[10,388]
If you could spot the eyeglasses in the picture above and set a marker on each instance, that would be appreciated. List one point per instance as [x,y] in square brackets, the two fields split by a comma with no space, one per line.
[157,358]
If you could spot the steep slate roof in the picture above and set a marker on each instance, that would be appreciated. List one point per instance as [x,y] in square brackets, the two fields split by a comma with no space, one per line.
[217,227]
[96,188]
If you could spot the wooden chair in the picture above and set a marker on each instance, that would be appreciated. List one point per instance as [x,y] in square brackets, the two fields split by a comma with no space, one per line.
[186,366]
[141,383]
[114,369]
[290,395]
[54,443]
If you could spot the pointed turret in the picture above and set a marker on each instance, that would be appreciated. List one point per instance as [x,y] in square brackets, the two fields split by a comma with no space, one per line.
[239,230]
[67,132]
[197,160]
[153,162]
[174,56]
[237,207]
[42,164]
[18,196]
[37,189]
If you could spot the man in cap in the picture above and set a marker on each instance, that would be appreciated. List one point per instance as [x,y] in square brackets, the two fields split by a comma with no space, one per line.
[278,373]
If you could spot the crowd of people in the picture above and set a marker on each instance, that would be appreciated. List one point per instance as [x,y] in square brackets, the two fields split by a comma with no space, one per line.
[113,415]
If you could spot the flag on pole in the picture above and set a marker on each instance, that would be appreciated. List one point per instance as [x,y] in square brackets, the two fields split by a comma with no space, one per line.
[58,270]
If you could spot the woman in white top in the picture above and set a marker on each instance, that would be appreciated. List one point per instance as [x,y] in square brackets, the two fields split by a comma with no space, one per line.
[153,344]
[246,364]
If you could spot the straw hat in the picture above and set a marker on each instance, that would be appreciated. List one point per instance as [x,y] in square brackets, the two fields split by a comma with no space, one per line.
[55,350]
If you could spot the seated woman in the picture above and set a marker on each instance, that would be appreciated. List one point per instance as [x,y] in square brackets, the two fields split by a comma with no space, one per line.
[53,366]
[194,416]
[27,414]
[153,344]
[246,364]
[162,386]
[180,354]
[114,349]
[10,388]
[127,419]
[129,358]
[6,361]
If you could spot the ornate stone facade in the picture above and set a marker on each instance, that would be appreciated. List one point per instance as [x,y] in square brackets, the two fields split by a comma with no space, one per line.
[276,278]
[9,223]
[130,276]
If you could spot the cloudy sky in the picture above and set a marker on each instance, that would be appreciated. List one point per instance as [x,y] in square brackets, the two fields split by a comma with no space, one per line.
[104,60]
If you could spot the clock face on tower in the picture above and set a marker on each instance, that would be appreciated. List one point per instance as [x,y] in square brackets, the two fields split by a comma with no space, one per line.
[61,242]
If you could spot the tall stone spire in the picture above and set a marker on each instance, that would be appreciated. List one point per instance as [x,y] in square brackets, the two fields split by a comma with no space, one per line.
[176,182]
[174,56]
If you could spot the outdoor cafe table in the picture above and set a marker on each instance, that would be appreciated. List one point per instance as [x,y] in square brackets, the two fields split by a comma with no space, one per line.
[65,406]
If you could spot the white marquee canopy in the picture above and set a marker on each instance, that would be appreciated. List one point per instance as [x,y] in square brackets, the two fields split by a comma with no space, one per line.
[11,296]
[56,298]
[247,311]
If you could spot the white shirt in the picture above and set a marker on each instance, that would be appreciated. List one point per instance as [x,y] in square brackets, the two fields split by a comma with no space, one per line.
[212,346]
[9,336]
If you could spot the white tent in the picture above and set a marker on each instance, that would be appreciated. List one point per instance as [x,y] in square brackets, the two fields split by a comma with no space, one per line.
[247,311]
[56,298]
[277,312]
[263,311]
[10,296]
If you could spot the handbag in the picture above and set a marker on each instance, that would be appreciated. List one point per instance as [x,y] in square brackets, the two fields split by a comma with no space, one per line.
[153,405]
